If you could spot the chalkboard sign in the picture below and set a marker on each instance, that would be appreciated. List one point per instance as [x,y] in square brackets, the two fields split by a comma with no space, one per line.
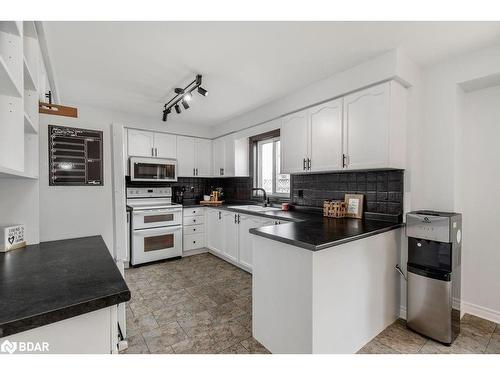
[75,157]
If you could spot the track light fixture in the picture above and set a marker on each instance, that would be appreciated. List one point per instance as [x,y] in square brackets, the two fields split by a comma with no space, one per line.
[183,96]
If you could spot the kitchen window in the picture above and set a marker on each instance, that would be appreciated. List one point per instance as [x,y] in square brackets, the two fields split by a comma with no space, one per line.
[267,165]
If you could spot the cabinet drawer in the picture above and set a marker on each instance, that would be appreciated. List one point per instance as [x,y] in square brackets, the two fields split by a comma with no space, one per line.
[193,211]
[194,241]
[193,220]
[194,229]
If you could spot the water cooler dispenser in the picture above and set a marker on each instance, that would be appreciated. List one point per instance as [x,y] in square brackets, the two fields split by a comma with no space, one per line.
[434,273]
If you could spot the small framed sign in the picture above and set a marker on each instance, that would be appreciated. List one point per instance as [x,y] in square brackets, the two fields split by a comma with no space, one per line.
[12,237]
[354,205]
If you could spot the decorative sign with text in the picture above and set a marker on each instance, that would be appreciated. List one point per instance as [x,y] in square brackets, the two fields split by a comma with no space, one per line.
[12,237]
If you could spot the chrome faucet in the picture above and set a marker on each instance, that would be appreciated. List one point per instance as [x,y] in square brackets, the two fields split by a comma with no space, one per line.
[266,198]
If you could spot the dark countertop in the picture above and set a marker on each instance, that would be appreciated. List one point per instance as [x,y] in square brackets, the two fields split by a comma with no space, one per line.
[320,232]
[312,231]
[56,280]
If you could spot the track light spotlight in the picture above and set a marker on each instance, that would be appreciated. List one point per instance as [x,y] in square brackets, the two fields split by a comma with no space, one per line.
[202,91]
[183,96]
[166,112]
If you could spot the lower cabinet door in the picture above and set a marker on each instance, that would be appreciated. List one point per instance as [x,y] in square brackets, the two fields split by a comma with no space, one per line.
[215,230]
[245,239]
[193,241]
[231,235]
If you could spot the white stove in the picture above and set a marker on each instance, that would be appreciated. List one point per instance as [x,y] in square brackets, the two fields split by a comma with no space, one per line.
[156,225]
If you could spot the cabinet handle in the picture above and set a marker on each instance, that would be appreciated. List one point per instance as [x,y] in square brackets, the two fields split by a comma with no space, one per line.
[304,164]
[308,163]
[344,161]
[222,171]
[156,151]
[194,229]
[197,171]
[235,219]
[152,151]
[194,172]
[238,218]
[219,215]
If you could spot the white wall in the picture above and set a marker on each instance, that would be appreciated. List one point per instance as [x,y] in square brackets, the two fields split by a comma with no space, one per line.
[478,174]
[77,211]
[19,205]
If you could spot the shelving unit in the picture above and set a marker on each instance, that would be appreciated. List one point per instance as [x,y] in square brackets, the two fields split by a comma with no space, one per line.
[8,85]
[11,27]
[21,68]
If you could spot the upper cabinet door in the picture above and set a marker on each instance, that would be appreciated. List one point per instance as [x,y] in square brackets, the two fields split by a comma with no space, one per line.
[219,147]
[166,145]
[203,157]
[326,136]
[140,143]
[294,142]
[186,156]
[367,118]
[229,154]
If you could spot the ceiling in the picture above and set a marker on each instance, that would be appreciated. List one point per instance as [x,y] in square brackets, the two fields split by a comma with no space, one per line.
[134,66]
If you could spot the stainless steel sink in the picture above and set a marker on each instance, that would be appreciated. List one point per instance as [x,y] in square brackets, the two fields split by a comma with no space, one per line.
[254,208]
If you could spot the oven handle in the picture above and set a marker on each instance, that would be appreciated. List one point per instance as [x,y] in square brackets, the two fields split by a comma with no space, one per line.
[155,210]
[163,230]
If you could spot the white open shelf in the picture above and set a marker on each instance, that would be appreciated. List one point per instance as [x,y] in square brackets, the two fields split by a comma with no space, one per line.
[29,81]
[8,84]
[11,27]
[29,126]
[11,173]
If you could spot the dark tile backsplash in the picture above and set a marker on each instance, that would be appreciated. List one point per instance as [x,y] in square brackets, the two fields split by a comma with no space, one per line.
[383,189]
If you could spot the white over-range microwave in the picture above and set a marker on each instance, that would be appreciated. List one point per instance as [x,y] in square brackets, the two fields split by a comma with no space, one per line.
[153,169]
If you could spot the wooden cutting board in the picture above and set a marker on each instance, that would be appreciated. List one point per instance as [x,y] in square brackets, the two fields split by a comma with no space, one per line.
[211,203]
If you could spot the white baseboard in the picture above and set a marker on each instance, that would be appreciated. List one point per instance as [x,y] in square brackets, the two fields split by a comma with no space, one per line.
[223,257]
[480,311]
[468,308]
[188,253]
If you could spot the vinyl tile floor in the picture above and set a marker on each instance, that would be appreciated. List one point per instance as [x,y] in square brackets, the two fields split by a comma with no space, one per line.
[202,304]
[197,304]
[476,336]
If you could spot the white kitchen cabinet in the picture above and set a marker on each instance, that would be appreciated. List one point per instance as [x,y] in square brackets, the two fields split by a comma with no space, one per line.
[140,143]
[230,249]
[311,140]
[363,130]
[193,229]
[165,145]
[186,156]
[325,136]
[294,136]
[375,127]
[224,157]
[194,157]
[228,235]
[151,144]
[215,231]
[247,222]
[203,158]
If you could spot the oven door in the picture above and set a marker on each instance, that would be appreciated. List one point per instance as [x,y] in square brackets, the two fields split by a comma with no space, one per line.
[149,245]
[142,219]
[153,169]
